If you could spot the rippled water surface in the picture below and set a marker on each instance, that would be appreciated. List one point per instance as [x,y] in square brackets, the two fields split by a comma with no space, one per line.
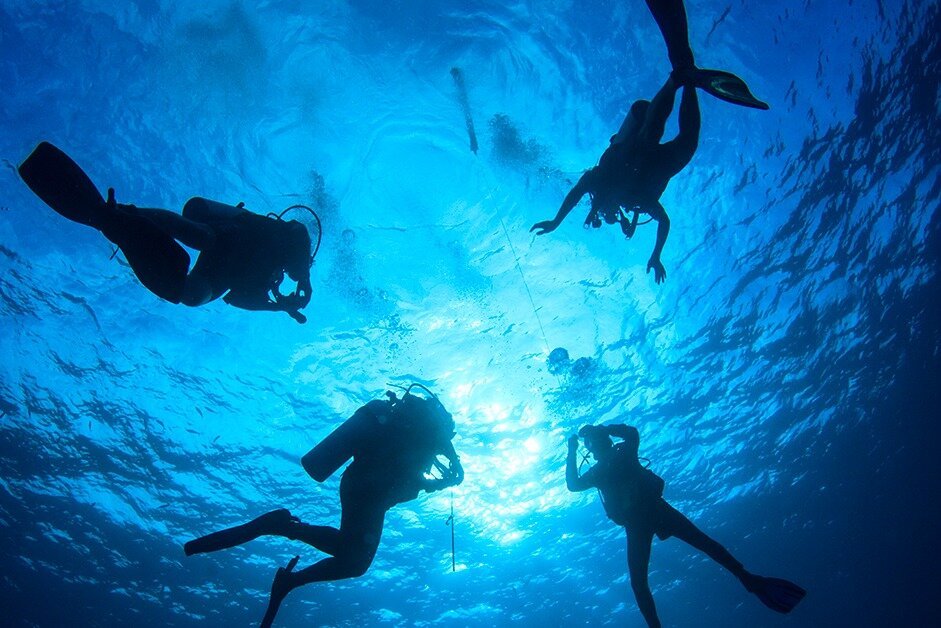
[784,379]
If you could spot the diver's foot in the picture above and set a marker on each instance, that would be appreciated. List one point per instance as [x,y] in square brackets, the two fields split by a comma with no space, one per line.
[273,522]
[282,585]
[101,215]
[685,77]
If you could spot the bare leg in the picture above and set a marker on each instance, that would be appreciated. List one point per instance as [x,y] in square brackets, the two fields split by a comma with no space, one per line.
[638,561]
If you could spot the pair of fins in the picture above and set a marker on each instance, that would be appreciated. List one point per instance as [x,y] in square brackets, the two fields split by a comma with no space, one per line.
[726,86]
[159,262]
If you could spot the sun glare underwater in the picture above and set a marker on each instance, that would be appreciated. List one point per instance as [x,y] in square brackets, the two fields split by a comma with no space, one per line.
[783,378]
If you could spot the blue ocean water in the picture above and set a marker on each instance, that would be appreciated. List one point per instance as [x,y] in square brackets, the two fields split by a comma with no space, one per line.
[784,379]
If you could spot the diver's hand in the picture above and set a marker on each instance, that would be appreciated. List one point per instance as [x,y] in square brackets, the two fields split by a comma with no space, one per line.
[303,297]
[300,318]
[288,301]
[573,443]
[303,292]
[544,227]
[659,272]
[457,472]
[431,485]
[291,303]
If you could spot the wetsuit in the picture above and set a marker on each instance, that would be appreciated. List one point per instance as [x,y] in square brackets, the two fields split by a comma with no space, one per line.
[634,171]
[632,498]
[245,256]
[242,255]
[388,469]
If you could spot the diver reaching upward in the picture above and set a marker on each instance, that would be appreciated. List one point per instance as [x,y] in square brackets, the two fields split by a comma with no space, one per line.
[393,444]
[635,169]
[243,256]
[632,497]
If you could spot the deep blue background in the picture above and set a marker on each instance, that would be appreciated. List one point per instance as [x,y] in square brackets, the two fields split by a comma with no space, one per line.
[784,379]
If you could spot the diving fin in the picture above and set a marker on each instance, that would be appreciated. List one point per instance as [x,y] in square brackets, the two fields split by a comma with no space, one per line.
[275,522]
[726,86]
[158,261]
[776,593]
[279,590]
[62,185]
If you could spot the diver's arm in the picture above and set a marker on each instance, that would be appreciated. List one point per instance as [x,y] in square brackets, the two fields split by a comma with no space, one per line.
[571,200]
[663,230]
[624,432]
[251,301]
[572,479]
[655,121]
[453,474]
[259,302]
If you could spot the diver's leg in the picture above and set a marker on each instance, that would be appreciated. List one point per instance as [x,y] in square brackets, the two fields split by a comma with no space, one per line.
[690,122]
[679,151]
[202,284]
[276,522]
[193,234]
[638,561]
[354,550]
[353,546]
[682,528]
[324,538]
[670,16]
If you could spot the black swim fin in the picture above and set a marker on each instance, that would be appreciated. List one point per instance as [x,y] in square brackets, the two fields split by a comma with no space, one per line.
[62,185]
[777,594]
[728,87]
[274,522]
[158,261]
[279,590]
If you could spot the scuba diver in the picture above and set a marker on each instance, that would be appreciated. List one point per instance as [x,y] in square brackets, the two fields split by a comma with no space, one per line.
[395,445]
[635,169]
[632,497]
[242,256]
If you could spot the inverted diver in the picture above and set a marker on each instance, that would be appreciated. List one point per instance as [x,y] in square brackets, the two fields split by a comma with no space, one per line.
[242,256]
[632,497]
[394,443]
[635,169]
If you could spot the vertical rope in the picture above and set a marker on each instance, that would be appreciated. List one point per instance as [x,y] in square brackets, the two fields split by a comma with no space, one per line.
[526,285]
[453,562]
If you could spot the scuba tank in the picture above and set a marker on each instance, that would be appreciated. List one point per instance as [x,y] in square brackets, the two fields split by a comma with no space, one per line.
[379,423]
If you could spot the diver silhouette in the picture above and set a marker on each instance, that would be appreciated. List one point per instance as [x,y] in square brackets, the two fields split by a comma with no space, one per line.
[632,497]
[243,256]
[634,170]
[394,443]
